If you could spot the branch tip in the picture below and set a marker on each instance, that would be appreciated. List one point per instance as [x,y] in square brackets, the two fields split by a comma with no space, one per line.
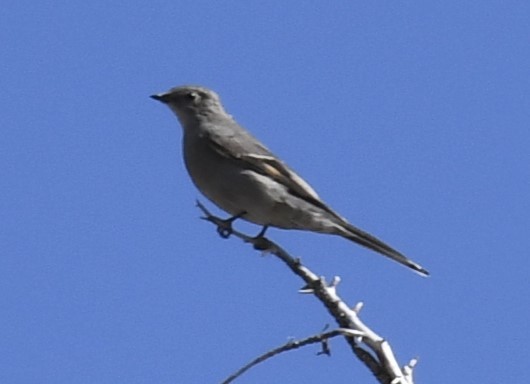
[358,307]
[335,282]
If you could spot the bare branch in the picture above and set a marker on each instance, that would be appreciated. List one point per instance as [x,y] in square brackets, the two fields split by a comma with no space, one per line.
[370,348]
[290,345]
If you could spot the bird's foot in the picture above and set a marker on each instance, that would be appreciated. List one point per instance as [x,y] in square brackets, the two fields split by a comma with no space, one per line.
[224,226]
[260,242]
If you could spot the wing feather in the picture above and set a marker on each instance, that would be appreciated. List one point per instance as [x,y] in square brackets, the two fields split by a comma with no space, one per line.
[242,146]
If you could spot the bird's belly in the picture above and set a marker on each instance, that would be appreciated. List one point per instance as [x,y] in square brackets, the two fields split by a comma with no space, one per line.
[238,190]
[228,185]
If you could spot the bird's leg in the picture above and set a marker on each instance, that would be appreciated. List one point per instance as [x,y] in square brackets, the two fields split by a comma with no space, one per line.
[224,227]
[260,241]
[262,232]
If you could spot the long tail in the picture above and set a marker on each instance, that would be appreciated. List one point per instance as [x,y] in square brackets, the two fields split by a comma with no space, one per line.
[365,239]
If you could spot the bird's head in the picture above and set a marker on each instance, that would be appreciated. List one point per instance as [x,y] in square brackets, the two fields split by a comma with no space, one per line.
[191,102]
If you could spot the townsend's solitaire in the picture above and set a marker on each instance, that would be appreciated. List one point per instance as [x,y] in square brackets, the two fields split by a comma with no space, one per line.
[240,175]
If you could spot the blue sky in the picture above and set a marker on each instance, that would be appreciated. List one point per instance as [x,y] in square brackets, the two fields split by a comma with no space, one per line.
[410,118]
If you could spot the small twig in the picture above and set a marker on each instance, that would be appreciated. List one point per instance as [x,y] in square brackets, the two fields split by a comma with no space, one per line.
[290,345]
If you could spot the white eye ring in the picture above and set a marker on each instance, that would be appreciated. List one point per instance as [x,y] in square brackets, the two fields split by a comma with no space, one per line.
[193,96]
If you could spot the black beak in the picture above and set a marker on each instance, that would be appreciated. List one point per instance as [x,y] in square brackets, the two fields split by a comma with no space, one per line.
[162,97]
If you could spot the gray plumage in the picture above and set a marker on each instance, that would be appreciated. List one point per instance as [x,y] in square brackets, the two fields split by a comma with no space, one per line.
[241,176]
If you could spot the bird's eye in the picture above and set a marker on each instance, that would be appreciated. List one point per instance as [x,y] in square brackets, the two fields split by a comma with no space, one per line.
[193,96]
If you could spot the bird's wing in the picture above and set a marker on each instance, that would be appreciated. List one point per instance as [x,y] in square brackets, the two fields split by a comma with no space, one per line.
[277,170]
[245,148]
[253,155]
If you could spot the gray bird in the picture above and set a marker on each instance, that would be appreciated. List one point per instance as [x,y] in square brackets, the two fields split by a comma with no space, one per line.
[241,176]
